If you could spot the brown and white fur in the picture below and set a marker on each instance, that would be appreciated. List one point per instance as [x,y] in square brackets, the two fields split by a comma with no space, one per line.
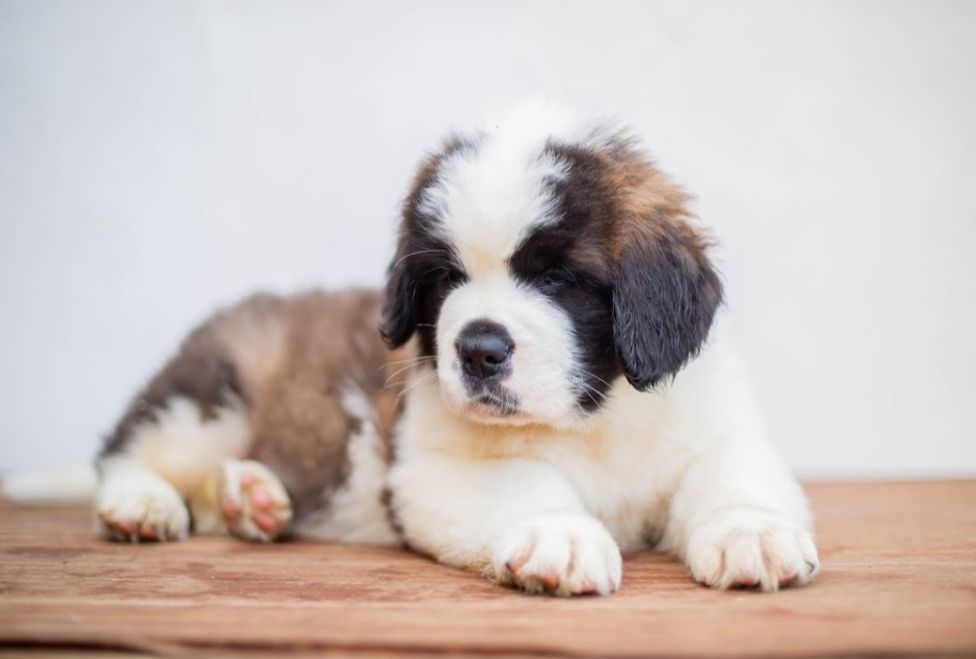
[548,391]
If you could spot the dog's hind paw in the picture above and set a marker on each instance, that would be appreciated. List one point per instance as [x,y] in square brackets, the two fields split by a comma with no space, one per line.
[245,499]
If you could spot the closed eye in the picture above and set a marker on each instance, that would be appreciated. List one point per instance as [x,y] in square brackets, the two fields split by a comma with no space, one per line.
[449,277]
[556,278]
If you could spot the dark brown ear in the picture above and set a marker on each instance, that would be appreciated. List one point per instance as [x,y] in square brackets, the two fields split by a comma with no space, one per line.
[417,247]
[400,304]
[665,293]
[400,311]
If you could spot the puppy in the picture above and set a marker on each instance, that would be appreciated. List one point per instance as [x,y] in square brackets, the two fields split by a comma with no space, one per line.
[548,391]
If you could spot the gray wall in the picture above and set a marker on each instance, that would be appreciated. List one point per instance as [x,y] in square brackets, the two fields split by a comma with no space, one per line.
[159,158]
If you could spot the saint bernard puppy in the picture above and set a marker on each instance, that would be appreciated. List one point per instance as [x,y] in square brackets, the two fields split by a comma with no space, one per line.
[545,390]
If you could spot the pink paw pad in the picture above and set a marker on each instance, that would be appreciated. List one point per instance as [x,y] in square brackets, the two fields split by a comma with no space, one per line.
[229,509]
[130,530]
[265,522]
[255,509]
[122,526]
[548,580]
[261,499]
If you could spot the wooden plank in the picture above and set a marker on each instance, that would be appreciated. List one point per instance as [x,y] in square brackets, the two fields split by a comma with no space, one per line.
[899,578]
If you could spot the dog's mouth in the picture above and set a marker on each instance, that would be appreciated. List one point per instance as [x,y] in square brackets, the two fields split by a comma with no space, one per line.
[493,403]
[504,403]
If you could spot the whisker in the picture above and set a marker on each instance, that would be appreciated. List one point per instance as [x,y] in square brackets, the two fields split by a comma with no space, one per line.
[423,380]
[591,374]
[411,360]
[400,370]
[590,394]
[589,389]
[418,252]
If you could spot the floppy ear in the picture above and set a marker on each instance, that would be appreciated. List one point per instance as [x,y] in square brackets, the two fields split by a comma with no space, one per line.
[401,306]
[399,320]
[400,312]
[665,294]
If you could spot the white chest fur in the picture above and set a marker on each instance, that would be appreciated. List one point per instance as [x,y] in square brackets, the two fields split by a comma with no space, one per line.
[623,464]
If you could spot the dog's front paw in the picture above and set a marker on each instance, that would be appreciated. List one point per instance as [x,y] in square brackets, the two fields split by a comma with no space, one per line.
[559,553]
[748,547]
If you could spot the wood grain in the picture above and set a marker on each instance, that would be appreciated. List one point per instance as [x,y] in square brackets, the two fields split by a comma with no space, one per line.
[899,579]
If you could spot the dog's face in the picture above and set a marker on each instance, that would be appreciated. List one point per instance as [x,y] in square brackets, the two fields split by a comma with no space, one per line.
[538,266]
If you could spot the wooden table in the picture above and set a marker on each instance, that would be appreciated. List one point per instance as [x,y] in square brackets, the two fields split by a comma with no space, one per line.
[899,579]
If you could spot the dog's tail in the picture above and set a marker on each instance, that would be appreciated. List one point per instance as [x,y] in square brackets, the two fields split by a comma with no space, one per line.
[69,484]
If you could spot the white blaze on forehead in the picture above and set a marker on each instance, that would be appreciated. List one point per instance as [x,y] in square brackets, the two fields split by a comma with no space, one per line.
[489,197]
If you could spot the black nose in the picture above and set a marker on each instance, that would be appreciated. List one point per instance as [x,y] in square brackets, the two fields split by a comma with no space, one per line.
[485,349]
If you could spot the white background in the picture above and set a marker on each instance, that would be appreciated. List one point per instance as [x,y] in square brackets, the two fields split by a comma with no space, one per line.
[160,158]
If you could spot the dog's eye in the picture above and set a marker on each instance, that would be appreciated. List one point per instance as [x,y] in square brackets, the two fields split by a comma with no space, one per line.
[449,278]
[551,279]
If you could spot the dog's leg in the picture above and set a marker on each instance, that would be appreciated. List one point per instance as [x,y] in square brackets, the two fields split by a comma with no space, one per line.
[739,519]
[159,461]
[518,522]
[187,423]
[145,478]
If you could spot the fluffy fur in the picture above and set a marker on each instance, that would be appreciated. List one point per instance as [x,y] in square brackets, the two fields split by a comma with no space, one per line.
[553,391]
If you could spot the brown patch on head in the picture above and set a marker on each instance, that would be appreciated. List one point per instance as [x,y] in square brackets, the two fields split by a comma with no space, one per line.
[665,290]
[627,226]
[650,204]
[624,197]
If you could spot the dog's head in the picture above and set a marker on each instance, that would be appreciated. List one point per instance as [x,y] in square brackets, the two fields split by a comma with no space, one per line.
[538,264]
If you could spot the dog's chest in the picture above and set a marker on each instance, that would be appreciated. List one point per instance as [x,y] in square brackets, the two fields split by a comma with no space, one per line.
[625,479]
